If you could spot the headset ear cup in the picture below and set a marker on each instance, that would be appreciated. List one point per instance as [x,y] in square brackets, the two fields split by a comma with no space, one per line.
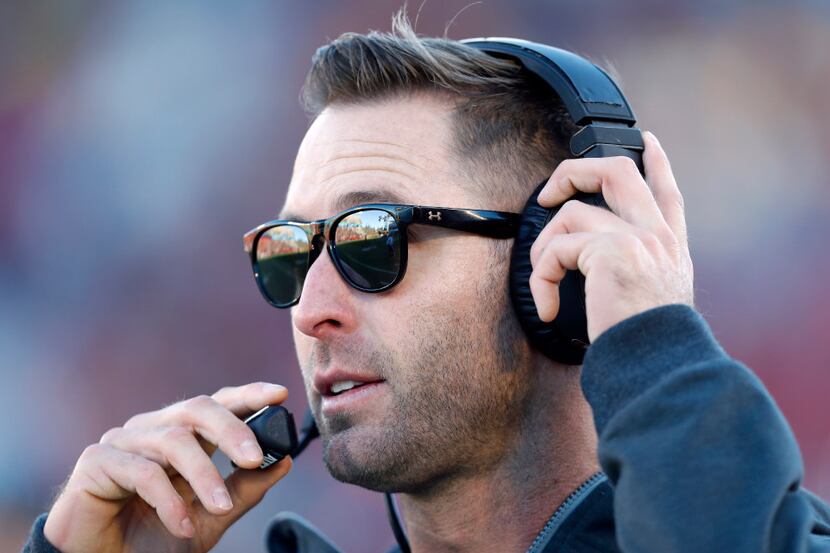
[564,339]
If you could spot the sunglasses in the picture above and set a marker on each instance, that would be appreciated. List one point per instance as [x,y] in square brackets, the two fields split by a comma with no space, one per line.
[366,243]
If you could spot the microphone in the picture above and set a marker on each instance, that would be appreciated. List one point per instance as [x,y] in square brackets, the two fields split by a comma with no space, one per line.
[275,431]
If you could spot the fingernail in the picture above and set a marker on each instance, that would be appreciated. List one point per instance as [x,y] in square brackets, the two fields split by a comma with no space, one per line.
[273,388]
[187,527]
[221,499]
[652,137]
[251,451]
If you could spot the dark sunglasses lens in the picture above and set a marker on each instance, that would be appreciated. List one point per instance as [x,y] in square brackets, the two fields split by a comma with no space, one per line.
[282,260]
[368,246]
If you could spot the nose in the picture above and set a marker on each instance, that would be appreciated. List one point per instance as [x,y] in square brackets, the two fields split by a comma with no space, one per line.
[326,305]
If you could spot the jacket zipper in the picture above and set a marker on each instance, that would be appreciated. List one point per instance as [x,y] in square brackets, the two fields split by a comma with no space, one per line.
[567,506]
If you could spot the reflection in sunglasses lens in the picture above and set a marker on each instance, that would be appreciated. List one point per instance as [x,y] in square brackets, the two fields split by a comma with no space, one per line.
[368,246]
[282,258]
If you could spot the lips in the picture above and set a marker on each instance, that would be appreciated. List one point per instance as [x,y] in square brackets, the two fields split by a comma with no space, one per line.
[335,382]
[342,390]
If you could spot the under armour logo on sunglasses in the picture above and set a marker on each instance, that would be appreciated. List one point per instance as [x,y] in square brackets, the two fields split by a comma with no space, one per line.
[436,216]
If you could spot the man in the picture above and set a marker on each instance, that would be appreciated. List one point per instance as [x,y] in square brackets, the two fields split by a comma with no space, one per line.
[428,389]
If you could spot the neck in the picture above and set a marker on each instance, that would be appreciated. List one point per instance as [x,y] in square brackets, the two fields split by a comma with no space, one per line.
[504,506]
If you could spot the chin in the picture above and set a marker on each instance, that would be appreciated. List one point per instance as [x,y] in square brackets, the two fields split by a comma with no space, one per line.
[363,458]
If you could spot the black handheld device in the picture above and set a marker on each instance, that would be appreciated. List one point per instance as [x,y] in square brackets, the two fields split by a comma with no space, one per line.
[274,429]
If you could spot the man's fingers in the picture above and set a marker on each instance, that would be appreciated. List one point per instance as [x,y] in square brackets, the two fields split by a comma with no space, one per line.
[664,186]
[110,468]
[575,216]
[560,254]
[245,400]
[176,447]
[213,422]
[619,181]
[247,488]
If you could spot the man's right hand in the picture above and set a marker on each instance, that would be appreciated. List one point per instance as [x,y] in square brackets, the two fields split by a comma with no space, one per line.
[151,486]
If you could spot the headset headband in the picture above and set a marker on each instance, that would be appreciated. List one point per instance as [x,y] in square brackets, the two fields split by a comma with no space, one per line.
[591,97]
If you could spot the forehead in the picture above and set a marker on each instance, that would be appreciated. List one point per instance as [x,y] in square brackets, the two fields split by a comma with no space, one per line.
[395,151]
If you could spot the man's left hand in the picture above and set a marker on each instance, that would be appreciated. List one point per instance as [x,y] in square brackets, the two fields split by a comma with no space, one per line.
[634,257]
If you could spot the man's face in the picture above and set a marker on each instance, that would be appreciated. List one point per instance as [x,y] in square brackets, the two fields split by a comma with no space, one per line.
[441,354]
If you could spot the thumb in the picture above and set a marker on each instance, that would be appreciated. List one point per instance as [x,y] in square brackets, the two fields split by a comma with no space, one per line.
[247,487]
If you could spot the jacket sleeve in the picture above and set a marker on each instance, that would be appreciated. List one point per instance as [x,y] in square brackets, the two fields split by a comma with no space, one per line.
[37,542]
[700,457]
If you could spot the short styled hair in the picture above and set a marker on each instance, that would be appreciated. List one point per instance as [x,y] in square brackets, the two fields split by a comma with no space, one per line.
[510,131]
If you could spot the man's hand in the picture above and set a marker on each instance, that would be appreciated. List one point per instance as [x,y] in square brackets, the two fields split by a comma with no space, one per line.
[151,486]
[633,259]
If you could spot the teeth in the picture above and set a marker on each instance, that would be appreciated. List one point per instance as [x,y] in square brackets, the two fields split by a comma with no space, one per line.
[338,387]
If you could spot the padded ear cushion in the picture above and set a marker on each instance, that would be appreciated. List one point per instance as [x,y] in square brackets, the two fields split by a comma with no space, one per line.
[564,339]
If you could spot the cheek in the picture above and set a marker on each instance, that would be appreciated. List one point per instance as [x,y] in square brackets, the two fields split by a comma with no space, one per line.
[441,288]
[451,273]
[455,366]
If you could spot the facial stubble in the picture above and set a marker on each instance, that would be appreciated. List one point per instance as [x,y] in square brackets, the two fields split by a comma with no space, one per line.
[456,390]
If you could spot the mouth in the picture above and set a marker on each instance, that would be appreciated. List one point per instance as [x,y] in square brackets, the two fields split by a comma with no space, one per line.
[342,386]
[349,395]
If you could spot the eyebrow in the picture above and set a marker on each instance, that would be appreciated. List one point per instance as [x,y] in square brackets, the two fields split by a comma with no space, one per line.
[351,199]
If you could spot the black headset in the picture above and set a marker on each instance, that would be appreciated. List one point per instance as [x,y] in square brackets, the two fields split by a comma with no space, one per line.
[595,103]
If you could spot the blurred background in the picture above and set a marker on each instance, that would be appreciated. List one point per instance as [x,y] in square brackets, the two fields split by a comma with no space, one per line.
[139,140]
